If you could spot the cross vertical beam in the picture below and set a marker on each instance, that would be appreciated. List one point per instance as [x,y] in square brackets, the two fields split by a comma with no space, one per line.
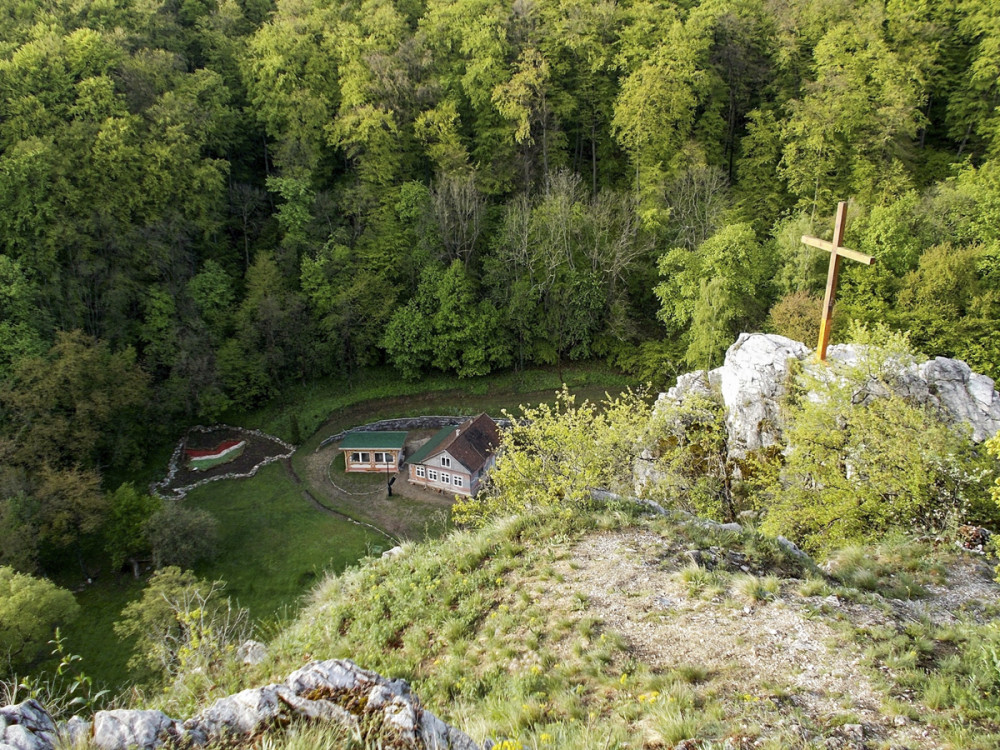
[833,272]
[836,250]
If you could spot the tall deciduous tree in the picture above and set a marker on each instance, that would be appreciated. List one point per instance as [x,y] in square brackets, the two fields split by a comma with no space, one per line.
[80,404]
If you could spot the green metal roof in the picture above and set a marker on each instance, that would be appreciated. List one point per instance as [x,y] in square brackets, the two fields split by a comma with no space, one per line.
[362,440]
[427,448]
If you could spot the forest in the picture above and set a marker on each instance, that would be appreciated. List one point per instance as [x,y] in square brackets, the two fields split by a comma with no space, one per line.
[203,202]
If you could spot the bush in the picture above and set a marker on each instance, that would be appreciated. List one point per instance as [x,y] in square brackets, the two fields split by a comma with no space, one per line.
[181,536]
[182,623]
[863,461]
[30,610]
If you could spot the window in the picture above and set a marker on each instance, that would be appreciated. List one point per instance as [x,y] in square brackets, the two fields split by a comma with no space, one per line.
[383,458]
[458,481]
[432,475]
[420,472]
[445,478]
[445,461]
[366,457]
[360,458]
[355,458]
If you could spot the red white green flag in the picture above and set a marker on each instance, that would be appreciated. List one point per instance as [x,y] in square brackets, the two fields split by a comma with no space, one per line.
[199,460]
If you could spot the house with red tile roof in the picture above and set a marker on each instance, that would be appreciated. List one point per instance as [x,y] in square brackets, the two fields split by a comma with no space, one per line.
[456,459]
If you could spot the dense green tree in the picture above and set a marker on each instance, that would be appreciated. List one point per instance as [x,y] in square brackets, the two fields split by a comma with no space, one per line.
[177,535]
[125,530]
[81,403]
[30,611]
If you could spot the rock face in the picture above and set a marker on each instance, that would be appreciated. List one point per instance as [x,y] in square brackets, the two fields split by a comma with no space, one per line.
[755,375]
[332,691]
[26,726]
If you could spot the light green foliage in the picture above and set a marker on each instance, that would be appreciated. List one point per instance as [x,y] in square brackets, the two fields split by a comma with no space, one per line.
[30,610]
[864,461]
[182,623]
[993,446]
[556,455]
[716,291]
[856,124]
[688,464]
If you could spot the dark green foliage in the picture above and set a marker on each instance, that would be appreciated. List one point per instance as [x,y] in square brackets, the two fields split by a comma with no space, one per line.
[181,536]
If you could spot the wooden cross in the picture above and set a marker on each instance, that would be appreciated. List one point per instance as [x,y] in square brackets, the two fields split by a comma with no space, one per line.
[837,251]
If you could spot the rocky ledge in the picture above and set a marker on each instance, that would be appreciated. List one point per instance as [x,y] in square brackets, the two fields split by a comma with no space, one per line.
[754,378]
[335,691]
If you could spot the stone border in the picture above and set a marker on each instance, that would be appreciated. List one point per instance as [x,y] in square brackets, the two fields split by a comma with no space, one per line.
[178,493]
[407,423]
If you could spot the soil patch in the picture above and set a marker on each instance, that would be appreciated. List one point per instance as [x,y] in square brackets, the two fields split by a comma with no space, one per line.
[762,657]
[261,449]
[408,514]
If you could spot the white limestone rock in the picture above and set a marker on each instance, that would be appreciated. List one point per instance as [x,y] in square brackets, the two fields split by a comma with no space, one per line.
[321,691]
[755,376]
[251,652]
[27,726]
[122,729]
[246,712]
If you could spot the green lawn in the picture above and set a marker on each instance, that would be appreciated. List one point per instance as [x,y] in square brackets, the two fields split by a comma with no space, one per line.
[273,543]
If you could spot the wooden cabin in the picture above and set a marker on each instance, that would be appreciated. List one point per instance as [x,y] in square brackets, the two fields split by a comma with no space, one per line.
[373,451]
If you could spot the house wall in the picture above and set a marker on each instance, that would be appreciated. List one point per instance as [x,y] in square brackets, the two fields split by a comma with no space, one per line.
[350,464]
[414,477]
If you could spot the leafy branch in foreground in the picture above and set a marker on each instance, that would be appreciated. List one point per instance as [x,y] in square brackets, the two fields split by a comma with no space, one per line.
[556,455]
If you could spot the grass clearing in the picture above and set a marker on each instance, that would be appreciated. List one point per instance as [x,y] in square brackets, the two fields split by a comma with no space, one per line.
[273,545]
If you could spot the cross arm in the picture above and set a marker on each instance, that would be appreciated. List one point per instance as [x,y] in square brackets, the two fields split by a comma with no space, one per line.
[830,248]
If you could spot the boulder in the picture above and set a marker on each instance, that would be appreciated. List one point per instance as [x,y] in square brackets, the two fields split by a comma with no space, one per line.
[27,726]
[755,376]
[123,729]
[251,652]
[245,713]
[330,691]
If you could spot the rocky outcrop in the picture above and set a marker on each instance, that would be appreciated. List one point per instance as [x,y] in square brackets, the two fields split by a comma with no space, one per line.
[335,691]
[756,373]
[26,726]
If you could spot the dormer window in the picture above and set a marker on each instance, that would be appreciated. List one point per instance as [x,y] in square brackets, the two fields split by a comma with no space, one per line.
[446,461]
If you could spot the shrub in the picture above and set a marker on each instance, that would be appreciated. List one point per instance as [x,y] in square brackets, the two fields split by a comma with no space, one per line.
[862,460]
[30,610]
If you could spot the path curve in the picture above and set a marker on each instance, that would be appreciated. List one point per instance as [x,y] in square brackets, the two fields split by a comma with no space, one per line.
[290,470]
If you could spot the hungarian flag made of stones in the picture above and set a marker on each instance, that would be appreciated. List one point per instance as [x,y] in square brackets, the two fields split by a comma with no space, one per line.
[199,460]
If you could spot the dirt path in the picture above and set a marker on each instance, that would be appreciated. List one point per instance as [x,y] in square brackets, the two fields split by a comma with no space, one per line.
[290,470]
[402,516]
[761,657]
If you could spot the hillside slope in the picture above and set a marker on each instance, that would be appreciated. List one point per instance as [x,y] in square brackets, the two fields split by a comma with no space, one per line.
[612,629]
